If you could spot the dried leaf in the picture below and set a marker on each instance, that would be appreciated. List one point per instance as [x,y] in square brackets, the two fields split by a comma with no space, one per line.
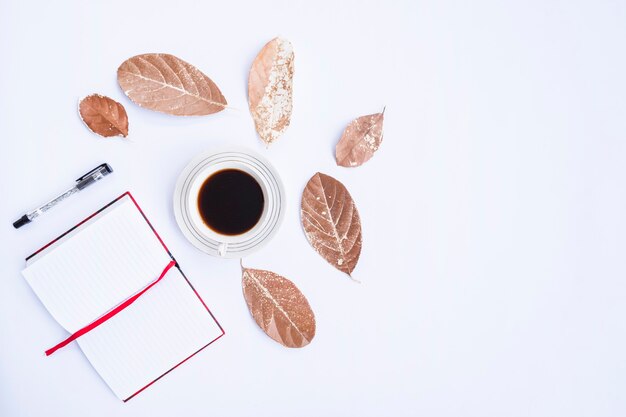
[278,307]
[167,84]
[270,89]
[331,222]
[360,140]
[103,116]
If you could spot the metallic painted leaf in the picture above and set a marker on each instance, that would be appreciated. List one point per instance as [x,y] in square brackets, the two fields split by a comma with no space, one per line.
[360,140]
[167,84]
[270,87]
[278,307]
[331,222]
[103,116]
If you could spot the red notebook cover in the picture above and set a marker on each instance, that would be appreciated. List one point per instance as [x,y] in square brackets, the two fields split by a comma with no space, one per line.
[176,265]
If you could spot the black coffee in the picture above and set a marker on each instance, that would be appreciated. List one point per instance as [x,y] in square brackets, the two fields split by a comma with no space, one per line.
[230,202]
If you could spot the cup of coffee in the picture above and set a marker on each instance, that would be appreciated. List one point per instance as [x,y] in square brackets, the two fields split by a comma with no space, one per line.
[229,203]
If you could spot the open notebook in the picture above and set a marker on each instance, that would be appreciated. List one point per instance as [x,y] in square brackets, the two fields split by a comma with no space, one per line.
[96,266]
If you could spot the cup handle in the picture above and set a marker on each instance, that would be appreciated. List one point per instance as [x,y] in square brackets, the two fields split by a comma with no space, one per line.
[221,249]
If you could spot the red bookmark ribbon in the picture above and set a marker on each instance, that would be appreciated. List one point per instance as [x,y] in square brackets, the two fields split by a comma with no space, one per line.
[110,314]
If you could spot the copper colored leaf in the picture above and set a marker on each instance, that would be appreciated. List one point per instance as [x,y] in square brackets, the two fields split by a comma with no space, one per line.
[360,140]
[103,115]
[331,222]
[278,307]
[270,89]
[167,84]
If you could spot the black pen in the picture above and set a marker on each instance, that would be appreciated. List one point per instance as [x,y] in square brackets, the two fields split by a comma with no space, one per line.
[89,178]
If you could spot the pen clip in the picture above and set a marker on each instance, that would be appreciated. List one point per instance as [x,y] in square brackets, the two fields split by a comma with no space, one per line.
[104,169]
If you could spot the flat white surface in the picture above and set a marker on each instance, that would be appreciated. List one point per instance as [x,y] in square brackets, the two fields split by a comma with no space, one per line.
[494,213]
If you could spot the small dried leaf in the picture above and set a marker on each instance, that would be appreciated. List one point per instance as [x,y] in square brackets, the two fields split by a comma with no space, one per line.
[167,84]
[331,222]
[270,89]
[360,140]
[103,116]
[278,307]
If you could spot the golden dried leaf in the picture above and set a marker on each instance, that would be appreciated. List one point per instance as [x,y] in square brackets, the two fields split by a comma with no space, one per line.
[331,222]
[270,87]
[278,307]
[360,140]
[103,115]
[167,84]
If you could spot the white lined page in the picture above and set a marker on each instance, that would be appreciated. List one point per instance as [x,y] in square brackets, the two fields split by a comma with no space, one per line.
[99,267]
[162,328]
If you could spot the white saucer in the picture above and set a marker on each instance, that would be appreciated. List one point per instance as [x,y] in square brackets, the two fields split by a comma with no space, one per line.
[185,205]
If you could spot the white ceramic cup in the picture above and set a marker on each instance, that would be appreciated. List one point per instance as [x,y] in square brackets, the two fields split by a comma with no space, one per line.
[206,231]
[186,202]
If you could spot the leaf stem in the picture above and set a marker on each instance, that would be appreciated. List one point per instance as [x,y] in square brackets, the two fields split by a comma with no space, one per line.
[353,279]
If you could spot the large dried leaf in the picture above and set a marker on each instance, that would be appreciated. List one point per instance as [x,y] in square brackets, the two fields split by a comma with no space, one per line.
[331,222]
[278,307]
[360,140]
[270,89]
[103,115]
[167,84]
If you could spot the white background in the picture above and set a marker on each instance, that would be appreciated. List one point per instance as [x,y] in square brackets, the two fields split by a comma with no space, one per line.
[494,214]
